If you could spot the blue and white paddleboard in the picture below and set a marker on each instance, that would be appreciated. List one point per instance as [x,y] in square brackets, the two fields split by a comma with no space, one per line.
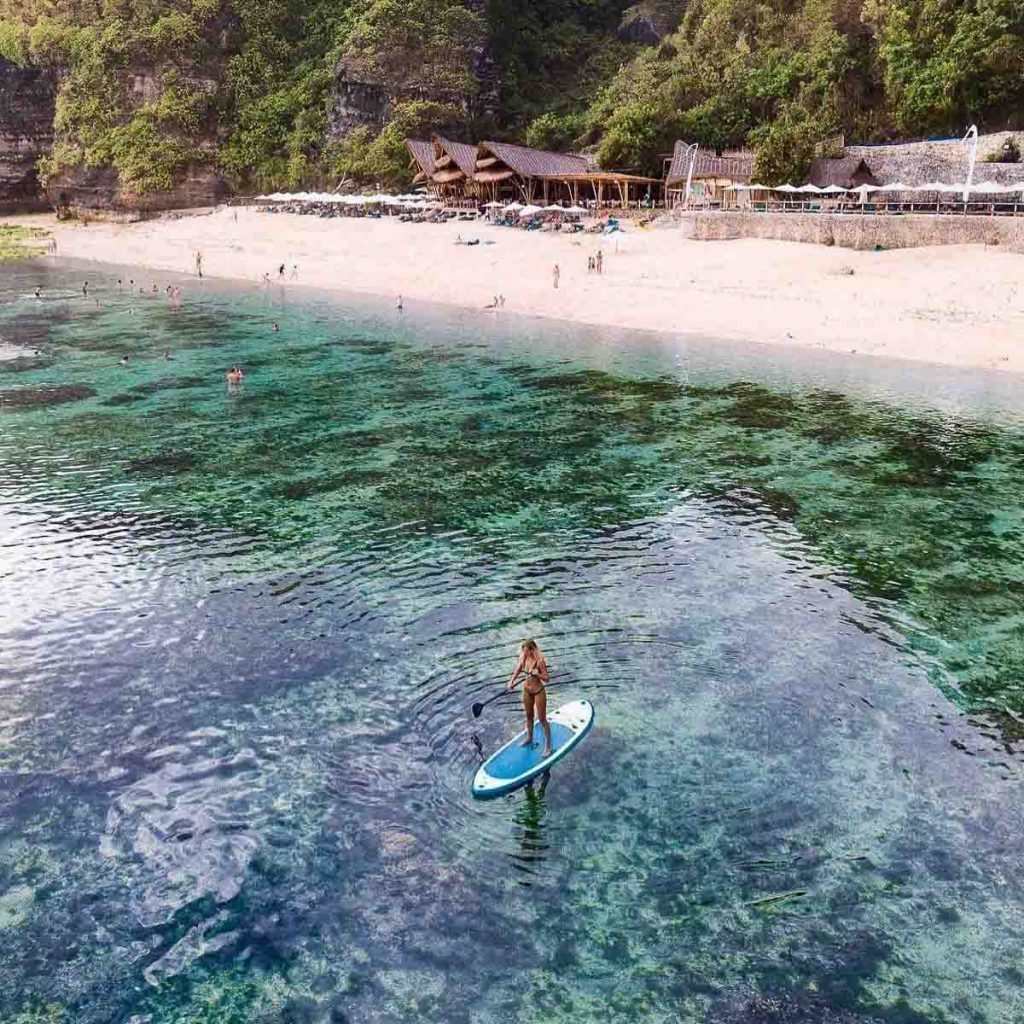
[514,765]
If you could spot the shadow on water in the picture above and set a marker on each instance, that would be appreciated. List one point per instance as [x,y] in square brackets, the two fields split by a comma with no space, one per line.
[529,820]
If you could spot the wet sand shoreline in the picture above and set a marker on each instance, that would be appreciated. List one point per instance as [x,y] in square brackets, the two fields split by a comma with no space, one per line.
[953,306]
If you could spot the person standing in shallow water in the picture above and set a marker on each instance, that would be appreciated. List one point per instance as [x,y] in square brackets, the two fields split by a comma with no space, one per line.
[534,669]
[556,274]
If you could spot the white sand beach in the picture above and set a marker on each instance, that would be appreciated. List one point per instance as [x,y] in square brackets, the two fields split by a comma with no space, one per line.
[956,305]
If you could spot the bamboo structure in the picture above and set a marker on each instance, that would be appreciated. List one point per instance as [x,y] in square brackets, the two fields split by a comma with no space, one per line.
[712,173]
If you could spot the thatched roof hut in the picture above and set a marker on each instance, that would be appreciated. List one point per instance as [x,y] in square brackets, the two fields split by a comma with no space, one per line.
[530,172]
[846,172]
[730,167]
[539,173]
[516,170]
[939,160]
[422,154]
[498,161]
[454,162]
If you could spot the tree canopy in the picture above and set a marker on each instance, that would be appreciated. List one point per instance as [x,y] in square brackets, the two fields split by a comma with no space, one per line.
[251,86]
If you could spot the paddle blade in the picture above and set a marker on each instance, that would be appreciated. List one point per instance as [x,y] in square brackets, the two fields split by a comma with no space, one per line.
[477,708]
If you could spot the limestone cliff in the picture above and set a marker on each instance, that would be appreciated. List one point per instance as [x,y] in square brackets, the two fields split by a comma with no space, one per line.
[27,99]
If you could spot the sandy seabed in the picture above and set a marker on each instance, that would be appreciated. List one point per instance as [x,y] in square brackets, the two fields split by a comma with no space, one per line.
[955,305]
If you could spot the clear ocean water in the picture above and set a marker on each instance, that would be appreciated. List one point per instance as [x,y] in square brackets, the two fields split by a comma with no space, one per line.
[241,631]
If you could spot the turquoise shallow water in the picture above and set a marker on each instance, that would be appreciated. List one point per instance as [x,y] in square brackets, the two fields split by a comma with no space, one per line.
[242,631]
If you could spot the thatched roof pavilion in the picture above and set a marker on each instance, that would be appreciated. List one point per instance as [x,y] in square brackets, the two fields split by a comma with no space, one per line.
[524,169]
[422,154]
[713,171]
[846,172]
[529,174]
[916,163]
[541,174]
[504,158]
[454,163]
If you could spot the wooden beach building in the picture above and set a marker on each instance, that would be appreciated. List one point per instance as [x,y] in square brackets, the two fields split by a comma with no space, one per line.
[454,166]
[525,173]
[421,155]
[534,175]
[502,170]
[712,173]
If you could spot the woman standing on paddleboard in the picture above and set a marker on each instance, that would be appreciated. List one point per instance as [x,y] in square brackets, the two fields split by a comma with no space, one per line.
[534,669]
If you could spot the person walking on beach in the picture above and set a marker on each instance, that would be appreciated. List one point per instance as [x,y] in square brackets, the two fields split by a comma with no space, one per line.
[199,263]
[555,275]
[534,669]
[599,262]
[280,272]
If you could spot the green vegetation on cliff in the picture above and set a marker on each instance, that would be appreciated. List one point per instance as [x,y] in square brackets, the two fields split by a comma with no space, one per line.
[257,88]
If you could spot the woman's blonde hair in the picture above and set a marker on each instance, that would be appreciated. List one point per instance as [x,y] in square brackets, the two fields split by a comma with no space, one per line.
[528,646]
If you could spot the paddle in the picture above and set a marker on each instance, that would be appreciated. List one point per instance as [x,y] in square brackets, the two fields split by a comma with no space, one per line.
[480,705]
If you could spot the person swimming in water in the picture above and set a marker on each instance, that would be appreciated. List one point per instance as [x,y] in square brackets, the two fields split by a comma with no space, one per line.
[534,669]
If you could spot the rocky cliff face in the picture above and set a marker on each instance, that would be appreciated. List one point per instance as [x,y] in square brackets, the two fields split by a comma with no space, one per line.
[27,98]
[355,105]
[358,101]
[98,190]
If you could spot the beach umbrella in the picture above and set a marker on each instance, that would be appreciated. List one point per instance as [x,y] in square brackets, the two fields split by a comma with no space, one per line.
[834,190]
[785,188]
[762,188]
[813,189]
[896,186]
[736,188]
[583,209]
[513,207]
[493,205]
[530,211]
[938,186]
[990,188]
